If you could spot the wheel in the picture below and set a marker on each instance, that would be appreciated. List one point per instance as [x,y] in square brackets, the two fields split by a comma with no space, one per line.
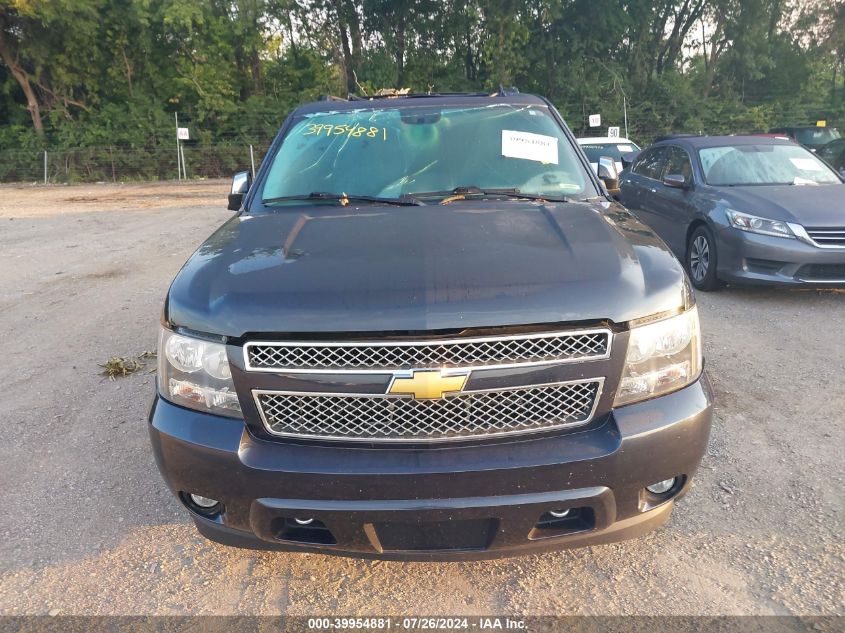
[701,260]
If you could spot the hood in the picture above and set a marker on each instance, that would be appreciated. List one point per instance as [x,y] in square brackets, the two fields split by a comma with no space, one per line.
[808,205]
[441,267]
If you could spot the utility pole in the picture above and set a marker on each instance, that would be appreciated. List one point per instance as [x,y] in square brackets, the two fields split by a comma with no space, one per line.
[178,153]
[617,85]
[625,110]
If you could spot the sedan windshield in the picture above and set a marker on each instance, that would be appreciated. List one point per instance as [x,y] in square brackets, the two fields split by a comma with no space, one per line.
[763,165]
[399,152]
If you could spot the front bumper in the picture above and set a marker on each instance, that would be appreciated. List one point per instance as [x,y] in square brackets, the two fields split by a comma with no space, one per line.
[750,258]
[438,503]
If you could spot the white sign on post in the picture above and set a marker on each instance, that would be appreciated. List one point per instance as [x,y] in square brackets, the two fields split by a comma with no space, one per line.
[613,132]
[595,120]
[182,134]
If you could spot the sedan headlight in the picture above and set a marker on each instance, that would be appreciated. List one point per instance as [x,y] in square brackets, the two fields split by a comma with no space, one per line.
[662,357]
[753,224]
[195,373]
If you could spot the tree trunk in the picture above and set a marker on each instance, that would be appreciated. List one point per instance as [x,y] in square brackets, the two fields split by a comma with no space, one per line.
[257,79]
[22,77]
[400,55]
[346,51]
[128,71]
[469,61]
[348,71]
[354,23]
[500,54]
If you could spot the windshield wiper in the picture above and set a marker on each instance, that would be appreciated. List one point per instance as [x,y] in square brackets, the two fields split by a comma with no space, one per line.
[346,198]
[472,190]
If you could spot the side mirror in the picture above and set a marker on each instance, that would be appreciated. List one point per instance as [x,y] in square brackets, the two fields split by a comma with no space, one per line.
[842,173]
[676,181]
[608,174]
[241,182]
[629,158]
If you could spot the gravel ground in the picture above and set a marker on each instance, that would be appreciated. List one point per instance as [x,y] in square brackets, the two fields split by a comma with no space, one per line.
[88,526]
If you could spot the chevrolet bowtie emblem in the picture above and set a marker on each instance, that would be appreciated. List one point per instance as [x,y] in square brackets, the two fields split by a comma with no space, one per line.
[429,384]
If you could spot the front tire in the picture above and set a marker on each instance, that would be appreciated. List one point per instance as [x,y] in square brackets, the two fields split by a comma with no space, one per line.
[701,260]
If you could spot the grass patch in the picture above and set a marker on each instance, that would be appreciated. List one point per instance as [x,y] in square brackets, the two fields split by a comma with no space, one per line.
[119,366]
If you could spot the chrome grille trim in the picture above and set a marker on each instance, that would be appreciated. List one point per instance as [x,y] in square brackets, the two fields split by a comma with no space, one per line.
[384,356]
[499,412]
[827,237]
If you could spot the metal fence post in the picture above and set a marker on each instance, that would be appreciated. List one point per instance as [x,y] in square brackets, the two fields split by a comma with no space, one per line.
[45,166]
[252,161]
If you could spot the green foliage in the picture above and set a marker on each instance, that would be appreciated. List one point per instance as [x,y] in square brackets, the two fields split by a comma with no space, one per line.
[112,73]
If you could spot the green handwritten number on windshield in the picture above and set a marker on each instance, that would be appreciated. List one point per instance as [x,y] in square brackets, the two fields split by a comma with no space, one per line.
[351,131]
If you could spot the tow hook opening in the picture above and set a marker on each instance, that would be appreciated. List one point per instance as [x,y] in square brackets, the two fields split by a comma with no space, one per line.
[302,530]
[562,521]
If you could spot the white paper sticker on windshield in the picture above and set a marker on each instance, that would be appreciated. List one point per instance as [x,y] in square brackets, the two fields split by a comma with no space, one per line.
[625,148]
[807,164]
[528,146]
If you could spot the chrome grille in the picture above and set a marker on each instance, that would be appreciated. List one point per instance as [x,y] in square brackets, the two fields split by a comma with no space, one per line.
[383,418]
[827,236]
[467,352]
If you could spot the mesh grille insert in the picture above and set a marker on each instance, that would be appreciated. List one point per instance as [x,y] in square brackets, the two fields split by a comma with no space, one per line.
[448,353]
[391,418]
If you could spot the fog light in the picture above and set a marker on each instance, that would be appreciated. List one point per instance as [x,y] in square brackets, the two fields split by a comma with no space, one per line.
[203,502]
[304,521]
[559,514]
[662,486]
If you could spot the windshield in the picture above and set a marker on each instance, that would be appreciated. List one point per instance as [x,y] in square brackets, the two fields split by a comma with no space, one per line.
[411,149]
[816,135]
[763,165]
[611,150]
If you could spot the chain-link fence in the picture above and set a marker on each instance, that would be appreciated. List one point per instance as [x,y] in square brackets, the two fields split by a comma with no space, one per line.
[112,164]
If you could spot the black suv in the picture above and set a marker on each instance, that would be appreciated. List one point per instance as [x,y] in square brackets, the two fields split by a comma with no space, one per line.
[812,137]
[429,333]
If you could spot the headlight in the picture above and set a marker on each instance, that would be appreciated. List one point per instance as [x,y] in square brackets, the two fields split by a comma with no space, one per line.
[662,357]
[753,224]
[195,373]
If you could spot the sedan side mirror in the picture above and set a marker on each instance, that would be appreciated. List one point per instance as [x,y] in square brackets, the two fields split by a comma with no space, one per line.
[676,181]
[608,174]
[241,182]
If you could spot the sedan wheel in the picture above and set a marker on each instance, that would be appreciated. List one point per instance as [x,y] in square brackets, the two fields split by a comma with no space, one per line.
[701,259]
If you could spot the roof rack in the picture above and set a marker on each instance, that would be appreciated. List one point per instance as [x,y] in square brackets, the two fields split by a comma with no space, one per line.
[669,137]
[405,93]
[392,92]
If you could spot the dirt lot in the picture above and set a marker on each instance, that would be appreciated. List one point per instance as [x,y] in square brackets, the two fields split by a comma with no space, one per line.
[89,528]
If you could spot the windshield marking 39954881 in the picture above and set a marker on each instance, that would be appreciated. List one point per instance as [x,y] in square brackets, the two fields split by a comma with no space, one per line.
[389,153]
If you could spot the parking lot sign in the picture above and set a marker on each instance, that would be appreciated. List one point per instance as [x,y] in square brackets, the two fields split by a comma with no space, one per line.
[182,134]
[613,132]
[595,120]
